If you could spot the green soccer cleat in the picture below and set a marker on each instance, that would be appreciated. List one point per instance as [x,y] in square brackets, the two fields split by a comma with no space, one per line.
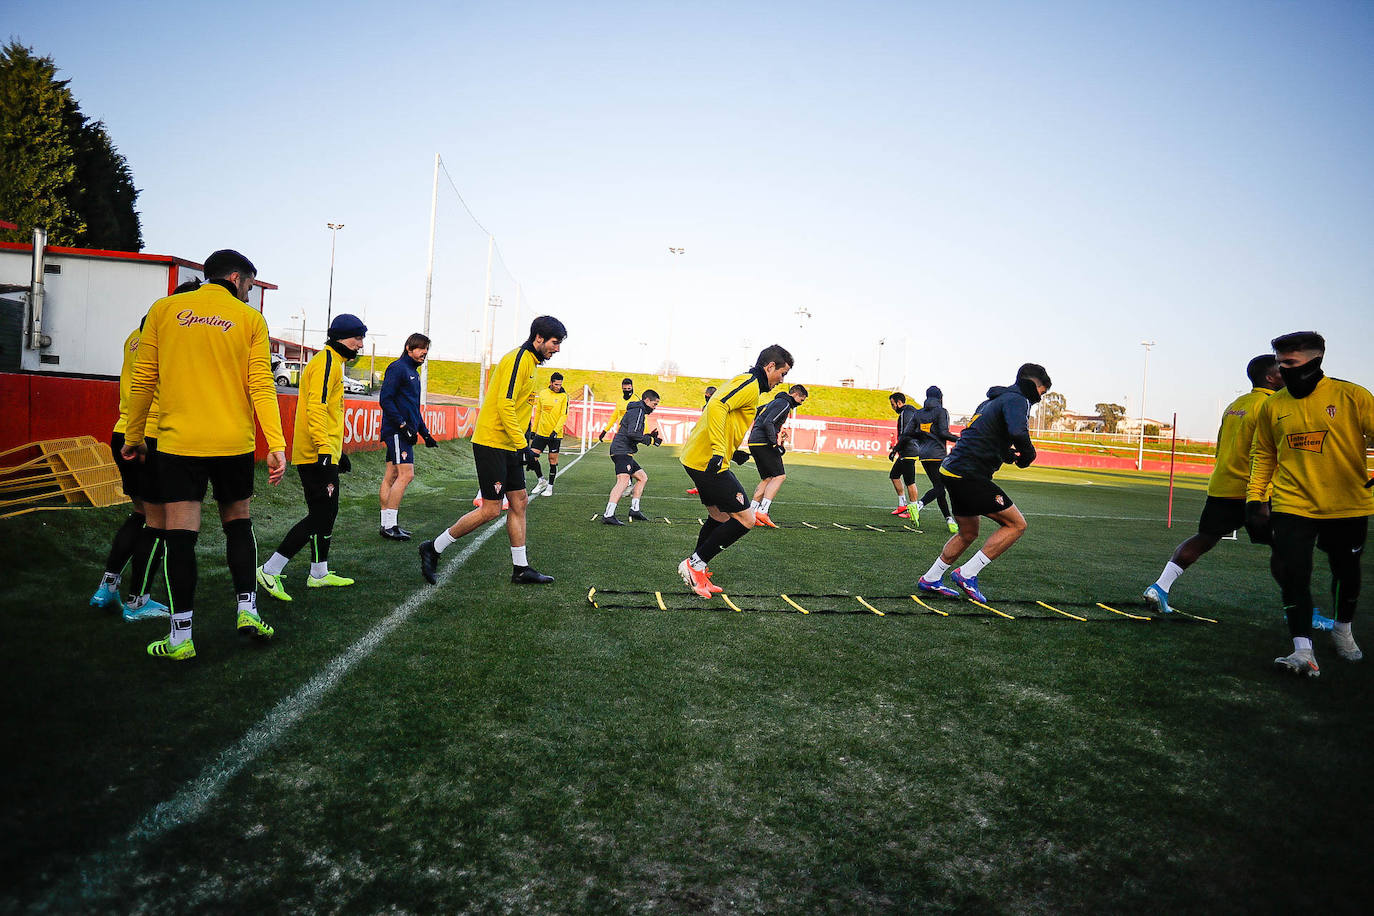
[952,525]
[327,580]
[250,624]
[913,515]
[163,648]
[273,585]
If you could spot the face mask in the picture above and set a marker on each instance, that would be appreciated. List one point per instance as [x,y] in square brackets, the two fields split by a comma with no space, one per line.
[1027,387]
[1300,380]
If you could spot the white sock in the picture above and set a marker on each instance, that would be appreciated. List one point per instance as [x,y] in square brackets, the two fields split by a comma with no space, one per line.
[442,542]
[517,556]
[634,505]
[920,505]
[1301,643]
[696,562]
[138,602]
[275,564]
[1171,572]
[181,627]
[765,505]
[319,570]
[248,601]
[110,579]
[901,499]
[610,510]
[1342,627]
[389,518]
[754,504]
[937,571]
[974,565]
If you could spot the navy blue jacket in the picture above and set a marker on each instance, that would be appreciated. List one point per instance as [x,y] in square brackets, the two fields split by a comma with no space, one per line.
[770,418]
[630,434]
[1001,424]
[932,430]
[400,398]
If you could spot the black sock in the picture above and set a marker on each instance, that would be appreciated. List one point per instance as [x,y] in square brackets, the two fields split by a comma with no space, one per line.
[725,535]
[320,547]
[296,538]
[143,561]
[179,568]
[124,544]
[708,528]
[241,553]
[553,471]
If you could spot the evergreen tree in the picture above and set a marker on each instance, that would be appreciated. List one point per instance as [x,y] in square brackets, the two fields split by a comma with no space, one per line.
[58,169]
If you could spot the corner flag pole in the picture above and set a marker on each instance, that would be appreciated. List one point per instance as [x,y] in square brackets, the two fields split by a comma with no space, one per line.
[1173,448]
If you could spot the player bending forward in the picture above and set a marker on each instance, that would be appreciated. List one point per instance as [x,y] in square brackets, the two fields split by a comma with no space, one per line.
[714,441]
[998,433]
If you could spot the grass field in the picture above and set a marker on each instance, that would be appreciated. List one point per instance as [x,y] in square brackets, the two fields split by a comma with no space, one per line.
[482,747]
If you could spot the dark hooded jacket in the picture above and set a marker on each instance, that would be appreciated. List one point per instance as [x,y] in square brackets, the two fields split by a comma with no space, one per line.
[630,434]
[770,418]
[998,433]
[932,429]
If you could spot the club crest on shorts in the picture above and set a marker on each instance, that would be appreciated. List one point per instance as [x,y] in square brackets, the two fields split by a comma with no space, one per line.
[739,498]
[498,488]
[329,489]
[405,455]
[1000,500]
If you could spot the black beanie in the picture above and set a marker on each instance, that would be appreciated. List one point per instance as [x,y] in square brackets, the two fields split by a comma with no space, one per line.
[346,325]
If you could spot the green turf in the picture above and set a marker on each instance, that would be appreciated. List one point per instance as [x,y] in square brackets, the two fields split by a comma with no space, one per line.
[514,749]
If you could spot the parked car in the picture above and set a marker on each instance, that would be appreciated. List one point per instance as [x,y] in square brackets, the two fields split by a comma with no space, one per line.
[353,386]
[279,373]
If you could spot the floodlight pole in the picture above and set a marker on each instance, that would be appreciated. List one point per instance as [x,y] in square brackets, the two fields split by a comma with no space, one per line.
[333,237]
[677,294]
[429,277]
[1144,379]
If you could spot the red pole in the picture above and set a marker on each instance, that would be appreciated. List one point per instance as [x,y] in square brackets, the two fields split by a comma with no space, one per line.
[1173,447]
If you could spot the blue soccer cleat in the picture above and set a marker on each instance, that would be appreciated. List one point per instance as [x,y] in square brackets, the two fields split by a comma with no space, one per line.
[1157,598]
[967,584]
[937,587]
[107,596]
[148,610]
[1320,621]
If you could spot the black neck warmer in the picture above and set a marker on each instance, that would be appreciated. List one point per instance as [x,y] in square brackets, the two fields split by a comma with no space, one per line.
[1027,387]
[1301,380]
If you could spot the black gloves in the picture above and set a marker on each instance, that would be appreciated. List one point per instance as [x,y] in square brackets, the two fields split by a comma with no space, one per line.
[345,465]
[1257,523]
[715,465]
[406,432]
[324,461]
[658,440]
[892,453]
[740,456]
[782,450]
[429,441]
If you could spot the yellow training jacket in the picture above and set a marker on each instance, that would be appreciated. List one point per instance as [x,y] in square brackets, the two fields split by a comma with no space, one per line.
[205,354]
[616,414]
[725,422]
[1234,438]
[1313,450]
[319,409]
[550,412]
[126,373]
[501,421]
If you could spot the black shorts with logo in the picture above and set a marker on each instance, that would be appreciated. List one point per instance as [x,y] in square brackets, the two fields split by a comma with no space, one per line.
[1221,515]
[723,490]
[139,477]
[625,464]
[184,478]
[499,471]
[970,496]
[549,444]
[904,468]
[767,460]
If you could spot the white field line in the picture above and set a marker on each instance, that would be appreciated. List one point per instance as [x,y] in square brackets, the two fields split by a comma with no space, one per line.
[187,805]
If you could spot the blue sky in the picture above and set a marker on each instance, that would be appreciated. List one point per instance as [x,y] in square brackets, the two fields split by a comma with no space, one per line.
[979,184]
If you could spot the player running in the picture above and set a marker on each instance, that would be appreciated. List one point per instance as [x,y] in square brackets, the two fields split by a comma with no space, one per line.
[932,432]
[706,399]
[629,436]
[550,416]
[903,453]
[766,439]
[715,441]
[998,433]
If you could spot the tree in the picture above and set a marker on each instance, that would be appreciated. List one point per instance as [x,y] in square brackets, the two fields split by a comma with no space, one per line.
[1052,407]
[58,169]
[1111,414]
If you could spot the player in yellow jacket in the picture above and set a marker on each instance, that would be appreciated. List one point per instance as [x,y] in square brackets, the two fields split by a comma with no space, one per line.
[500,453]
[205,354]
[1310,444]
[627,394]
[712,444]
[317,452]
[1224,511]
[550,416]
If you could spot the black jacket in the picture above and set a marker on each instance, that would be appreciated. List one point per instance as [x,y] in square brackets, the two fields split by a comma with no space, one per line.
[630,434]
[932,430]
[770,418]
[1001,424]
[906,432]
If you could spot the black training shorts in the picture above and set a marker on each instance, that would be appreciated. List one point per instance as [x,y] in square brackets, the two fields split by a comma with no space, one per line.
[723,490]
[499,471]
[905,468]
[139,477]
[549,444]
[1221,515]
[971,496]
[767,460]
[184,478]
[625,464]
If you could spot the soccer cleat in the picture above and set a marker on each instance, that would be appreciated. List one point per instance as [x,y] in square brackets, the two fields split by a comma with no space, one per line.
[1345,645]
[952,525]
[528,575]
[327,580]
[967,584]
[761,520]
[1320,621]
[540,485]
[405,534]
[250,624]
[639,516]
[698,580]
[937,587]
[1157,598]
[148,610]
[273,585]
[548,491]
[163,648]
[715,589]
[692,492]
[913,515]
[395,533]
[1301,662]
[611,520]
[106,596]
[900,510]
[429,562]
